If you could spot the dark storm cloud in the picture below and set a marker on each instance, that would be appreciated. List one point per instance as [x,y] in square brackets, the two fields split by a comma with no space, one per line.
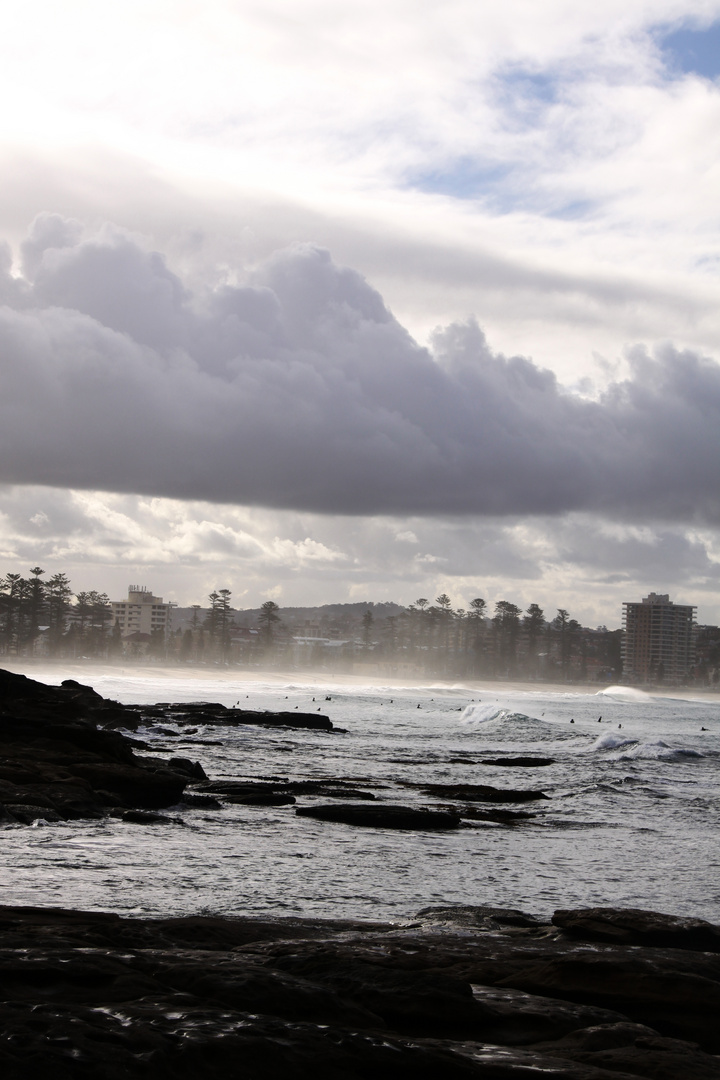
[300,390]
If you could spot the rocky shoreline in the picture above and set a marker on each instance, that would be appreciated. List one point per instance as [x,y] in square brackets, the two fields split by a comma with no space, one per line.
[451,992]
[67,753]
[455,993]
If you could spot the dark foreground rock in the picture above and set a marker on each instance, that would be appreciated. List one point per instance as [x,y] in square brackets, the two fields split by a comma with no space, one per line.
[448,995]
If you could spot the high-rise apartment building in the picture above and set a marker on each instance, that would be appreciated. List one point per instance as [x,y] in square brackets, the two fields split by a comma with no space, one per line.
[658,640]
[141,612]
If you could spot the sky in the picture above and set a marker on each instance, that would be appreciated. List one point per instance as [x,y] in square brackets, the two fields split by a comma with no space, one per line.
[330,302]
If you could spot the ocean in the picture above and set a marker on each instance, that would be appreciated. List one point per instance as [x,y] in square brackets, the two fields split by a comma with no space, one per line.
[631,817]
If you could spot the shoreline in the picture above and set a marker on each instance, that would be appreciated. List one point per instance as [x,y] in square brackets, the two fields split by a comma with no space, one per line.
[86,671]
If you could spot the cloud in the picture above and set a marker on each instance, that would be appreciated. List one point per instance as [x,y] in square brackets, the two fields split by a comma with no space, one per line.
[300,390]
[183,550]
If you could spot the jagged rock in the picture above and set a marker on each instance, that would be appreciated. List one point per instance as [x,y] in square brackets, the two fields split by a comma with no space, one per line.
[58,764]
[192,769]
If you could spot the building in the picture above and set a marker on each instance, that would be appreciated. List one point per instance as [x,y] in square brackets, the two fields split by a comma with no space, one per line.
[141,613]
[658,640]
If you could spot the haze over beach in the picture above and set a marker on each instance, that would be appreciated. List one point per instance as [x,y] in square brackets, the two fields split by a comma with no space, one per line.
[325,302]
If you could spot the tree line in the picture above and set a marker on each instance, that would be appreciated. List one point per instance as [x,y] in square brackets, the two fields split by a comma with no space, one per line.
[34,609]
[43,616]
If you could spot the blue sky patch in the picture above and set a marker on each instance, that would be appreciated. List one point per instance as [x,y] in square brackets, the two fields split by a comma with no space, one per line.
[693,51]
[463,178]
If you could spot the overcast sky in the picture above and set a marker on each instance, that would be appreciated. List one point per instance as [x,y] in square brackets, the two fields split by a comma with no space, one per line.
[327,302]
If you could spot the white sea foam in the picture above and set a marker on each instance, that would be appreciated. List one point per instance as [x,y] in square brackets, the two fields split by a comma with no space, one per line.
[625,693]
[483,714]
[611,741]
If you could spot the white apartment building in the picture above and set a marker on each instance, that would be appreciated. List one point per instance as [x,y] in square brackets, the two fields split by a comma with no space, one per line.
[142,612]
[659,640]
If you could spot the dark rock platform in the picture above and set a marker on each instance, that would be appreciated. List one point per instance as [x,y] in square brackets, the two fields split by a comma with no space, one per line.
[57,762]
[211,713]
[454,993]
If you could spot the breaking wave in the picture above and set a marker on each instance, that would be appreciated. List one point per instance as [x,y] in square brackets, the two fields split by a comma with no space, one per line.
[660,751]
[625,693]
[486,714]
[510,725]
[611,741]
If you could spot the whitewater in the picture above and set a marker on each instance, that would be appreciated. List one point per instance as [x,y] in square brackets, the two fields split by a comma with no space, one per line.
[631,816]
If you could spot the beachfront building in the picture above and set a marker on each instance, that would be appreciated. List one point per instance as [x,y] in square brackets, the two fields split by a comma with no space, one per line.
[141,613]
[658,640]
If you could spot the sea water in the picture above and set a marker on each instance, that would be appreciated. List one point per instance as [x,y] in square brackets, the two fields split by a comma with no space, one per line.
[631,819]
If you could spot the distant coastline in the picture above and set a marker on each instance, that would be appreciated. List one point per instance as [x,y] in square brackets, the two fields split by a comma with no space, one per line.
[85,671]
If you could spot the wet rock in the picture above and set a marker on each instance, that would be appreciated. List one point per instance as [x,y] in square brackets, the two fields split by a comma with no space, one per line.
[171,1038]
[262,800]
[413,1003]
[213,713]
[347,793]
[57,764]
[285,791]
[26,815]
[520,762]
[503,1063]
[647,989]
[632,926]
[92,994]
[206,802]
[190,768]
[638,1050]
[480,793]
[478,917]
[382,816]
[520,1018]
